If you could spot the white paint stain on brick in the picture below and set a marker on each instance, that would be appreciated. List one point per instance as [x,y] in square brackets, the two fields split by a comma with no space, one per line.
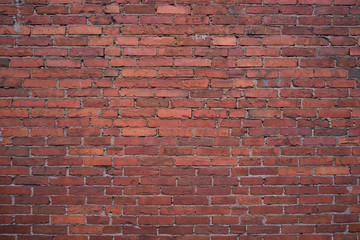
[17,17]
[1,139]
[202,36]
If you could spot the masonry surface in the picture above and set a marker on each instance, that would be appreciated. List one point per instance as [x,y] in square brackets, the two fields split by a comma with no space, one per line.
[179,120]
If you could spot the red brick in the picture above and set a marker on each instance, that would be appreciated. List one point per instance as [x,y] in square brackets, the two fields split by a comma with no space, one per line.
[281,62]
[86,151]
[249,62]
[318,2]
[138,132]
[264,113]
[63,63]
[37,30]
[139,9]
[157,19]
[138,73]
[157,41]
[7,30]
[296,171]
[192,62]
[262,52]
[168,9]
[331,170]
[152,220]
[174,113]
[193,20]
[297,73]
[68,219]
[75,41]
[29,63]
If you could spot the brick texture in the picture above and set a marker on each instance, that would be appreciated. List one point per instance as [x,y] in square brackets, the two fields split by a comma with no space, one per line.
[179,119]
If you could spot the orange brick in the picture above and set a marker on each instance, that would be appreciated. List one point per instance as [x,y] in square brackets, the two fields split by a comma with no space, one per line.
[174,113]
[331,170]
[168,9]
[39,30]
[224,41]
[68,219]
[88,30]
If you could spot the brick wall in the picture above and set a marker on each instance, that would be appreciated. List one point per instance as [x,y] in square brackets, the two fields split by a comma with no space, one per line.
[179,119]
